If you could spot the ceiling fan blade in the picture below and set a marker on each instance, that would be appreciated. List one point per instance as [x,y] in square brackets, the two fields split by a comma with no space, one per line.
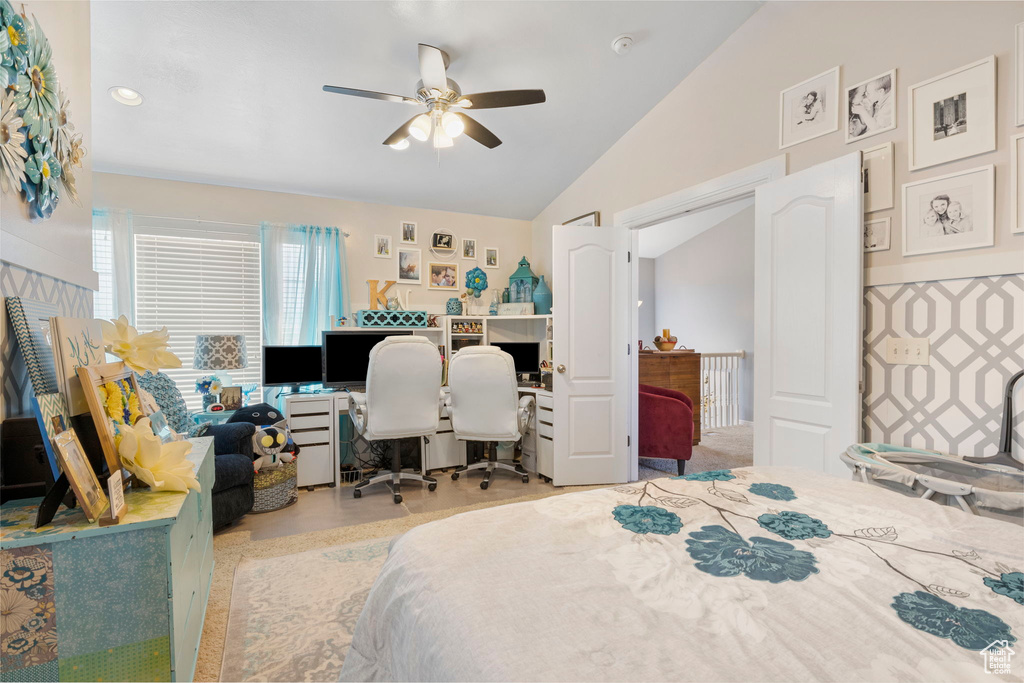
[432,68]
[502,98]
[370,94]
[478,132]
[401,133]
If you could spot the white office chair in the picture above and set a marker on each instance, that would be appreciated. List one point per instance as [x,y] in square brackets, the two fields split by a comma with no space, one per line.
[402,400]
[484,405]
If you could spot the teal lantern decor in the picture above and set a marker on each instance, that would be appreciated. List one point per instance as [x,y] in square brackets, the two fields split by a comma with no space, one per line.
[522,283]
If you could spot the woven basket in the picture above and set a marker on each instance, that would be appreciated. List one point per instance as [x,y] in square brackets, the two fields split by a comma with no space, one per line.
[275,488]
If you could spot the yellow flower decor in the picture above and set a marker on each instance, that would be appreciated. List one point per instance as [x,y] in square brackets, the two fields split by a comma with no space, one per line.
[162,466]
[140,352]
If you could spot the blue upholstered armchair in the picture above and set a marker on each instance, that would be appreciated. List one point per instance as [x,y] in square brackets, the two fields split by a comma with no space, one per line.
[232,446]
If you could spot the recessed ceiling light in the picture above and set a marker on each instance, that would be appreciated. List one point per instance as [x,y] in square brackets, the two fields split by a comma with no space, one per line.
[126,95]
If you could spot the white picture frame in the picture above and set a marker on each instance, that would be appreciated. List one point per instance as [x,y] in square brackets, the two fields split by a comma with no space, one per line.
[878,178]
[492,259]
[1017,184]
[877,234]
[929,222]
[1018,61]
[809,109]
[869,107]
[407,231]
[410,266]
[938,134]
[469,249]
[382,246]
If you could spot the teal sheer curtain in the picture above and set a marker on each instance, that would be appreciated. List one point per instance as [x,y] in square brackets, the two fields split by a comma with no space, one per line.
[305,280]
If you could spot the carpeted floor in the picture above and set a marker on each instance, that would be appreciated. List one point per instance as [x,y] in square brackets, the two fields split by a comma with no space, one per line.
[723,448]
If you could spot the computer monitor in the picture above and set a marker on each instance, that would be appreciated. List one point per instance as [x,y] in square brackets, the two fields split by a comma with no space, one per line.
[291,366]
[525,355]
[347,356]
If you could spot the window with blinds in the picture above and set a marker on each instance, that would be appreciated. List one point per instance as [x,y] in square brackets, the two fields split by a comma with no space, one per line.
[103,264]
[194,286]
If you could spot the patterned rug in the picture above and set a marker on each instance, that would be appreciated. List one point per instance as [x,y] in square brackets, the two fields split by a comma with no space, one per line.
[280,629]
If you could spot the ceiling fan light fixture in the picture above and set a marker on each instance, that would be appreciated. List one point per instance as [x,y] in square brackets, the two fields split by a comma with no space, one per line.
[442,139]
[465,102]
[420,127]
[452,124]
[400,145]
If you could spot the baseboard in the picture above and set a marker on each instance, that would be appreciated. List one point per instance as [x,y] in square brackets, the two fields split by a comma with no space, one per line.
[747,423]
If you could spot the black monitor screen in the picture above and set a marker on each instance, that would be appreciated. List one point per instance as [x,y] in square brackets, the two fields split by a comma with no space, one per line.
[291,365]
[347,355]
[525,355]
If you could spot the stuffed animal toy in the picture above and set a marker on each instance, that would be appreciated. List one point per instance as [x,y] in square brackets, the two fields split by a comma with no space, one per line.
[272,445]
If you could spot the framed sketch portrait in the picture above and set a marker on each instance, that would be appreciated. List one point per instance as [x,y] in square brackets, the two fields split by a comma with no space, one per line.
[876,234]
[949,213]
[871,107]
[469,249]
[408,232]
[491,258]
[409,266]
[587,220]
[444,276]
[952,116]
[382,246]
[877,178]
[809,109]
[1017,183]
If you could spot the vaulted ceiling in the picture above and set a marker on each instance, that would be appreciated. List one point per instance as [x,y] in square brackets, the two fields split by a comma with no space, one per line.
[232,92]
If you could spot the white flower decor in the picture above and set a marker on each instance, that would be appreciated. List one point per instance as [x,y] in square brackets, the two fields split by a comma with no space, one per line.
[162,466]
[140,352]
[12,139]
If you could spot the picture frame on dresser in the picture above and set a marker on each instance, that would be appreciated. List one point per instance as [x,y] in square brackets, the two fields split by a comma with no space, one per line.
[81,477]
[953,115]
[97,382]
[77,342]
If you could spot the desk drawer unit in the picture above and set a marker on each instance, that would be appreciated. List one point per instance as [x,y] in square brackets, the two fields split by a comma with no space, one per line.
[311,420]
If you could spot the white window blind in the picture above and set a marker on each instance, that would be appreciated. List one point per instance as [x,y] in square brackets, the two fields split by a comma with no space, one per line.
[103,264]
[194,286]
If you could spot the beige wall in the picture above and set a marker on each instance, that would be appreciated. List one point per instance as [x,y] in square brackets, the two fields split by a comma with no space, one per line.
[724,115]
[167,198]
[60,247]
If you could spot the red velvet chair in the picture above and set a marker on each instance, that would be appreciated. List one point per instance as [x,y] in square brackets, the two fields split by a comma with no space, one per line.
[666,425]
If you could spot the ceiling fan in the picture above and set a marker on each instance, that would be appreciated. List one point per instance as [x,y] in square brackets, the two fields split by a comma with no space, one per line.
[441,95]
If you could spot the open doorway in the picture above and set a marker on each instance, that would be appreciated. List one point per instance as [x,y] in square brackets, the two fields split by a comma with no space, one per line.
[696,297]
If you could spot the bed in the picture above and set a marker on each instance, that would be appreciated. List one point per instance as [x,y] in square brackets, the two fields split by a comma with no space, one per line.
[752,574]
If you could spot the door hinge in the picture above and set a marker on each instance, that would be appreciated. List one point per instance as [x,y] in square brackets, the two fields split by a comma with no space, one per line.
[629,349]
[629,257]
[627,440]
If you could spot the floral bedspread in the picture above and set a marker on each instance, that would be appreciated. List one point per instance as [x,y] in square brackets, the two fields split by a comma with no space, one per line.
[754,574]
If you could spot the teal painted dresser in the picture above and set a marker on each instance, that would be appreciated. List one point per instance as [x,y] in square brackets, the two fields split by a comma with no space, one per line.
[80,602]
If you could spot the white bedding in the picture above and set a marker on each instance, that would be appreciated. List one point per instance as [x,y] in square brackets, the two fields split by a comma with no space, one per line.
[755,574]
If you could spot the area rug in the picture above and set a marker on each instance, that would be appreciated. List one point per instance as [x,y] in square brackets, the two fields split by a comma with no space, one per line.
[292,617]
[722,448]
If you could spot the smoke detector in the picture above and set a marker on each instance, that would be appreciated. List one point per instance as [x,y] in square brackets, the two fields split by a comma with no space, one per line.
[622,44]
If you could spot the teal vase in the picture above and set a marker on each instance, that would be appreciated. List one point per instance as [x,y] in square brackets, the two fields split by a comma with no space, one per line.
[542,298]
[454,306]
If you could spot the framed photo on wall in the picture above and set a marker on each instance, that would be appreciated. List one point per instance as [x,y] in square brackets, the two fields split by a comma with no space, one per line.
[1018,71]
[952,116]
[1017,183]
[408,232]
[876,234]
[382,246]
[469,249]
[444,276]
[410,266]
[809,109]
[491,257]
[871,107]
[878,178]
[949,213]
[587,220]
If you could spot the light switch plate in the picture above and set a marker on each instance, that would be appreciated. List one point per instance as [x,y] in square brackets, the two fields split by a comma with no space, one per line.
[907,351]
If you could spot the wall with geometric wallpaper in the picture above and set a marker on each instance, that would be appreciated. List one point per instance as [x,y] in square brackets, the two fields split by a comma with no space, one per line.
[70,300]
[954,404]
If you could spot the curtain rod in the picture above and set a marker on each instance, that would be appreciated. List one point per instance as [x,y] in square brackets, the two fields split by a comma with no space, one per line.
[203,220]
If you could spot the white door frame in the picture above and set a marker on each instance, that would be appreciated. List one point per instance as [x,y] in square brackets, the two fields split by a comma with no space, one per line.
[722,190]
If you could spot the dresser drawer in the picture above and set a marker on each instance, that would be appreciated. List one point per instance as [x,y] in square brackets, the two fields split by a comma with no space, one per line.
[311,436]
[316,466]
[309,422]
[321,405]
[545,401]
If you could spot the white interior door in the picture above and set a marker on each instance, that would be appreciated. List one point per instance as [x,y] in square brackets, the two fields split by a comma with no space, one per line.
[807,299]
[591,420]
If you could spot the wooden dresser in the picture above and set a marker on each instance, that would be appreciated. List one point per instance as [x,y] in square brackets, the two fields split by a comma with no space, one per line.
[116,603]
[677,370]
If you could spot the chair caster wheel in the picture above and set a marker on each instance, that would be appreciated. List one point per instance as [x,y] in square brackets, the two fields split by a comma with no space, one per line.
[431,487]
[310,489]
[455,476]
[356,493]
[398,498]
[526,478]
[484,484]
[331,485]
